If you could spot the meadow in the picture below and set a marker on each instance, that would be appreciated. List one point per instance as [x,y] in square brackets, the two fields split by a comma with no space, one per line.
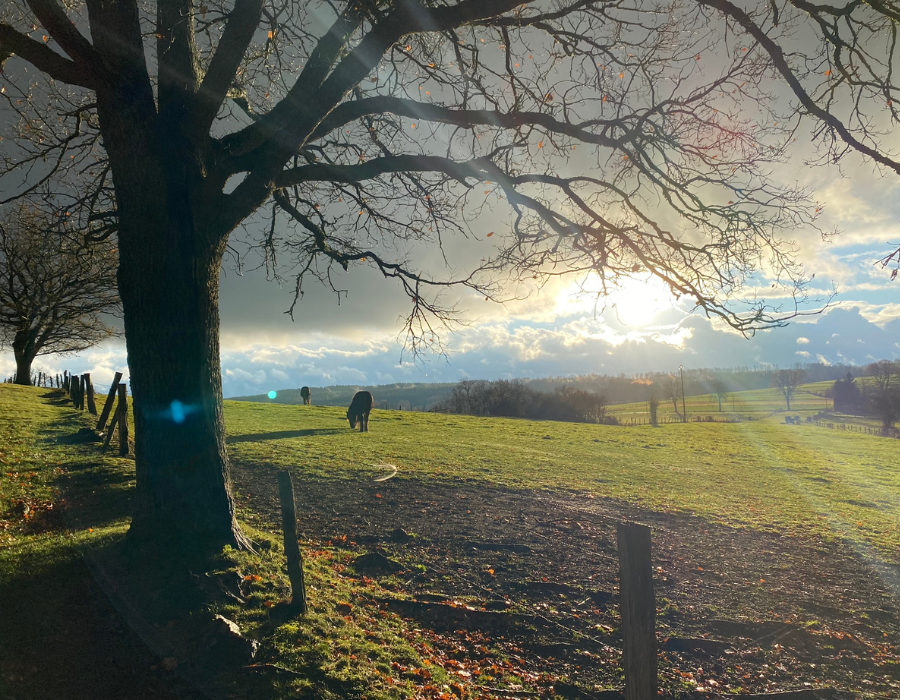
[776,544]
[762,473]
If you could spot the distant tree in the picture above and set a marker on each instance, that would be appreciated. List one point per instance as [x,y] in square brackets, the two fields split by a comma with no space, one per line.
[847,396]
[672,390]
[885,404]
[787,381]
[53,289]
[653,405]
[883,393]
[883,374]
[720,389]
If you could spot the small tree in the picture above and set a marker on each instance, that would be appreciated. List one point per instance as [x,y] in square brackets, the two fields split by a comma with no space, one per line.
[53,290]
[653,405]
[671,389]
[787,381]
[884,374]
[720,390]
[883,391]
[846,395]
[885,404]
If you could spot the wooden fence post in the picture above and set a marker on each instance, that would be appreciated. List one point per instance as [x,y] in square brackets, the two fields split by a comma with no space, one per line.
[291,545]
[107,407]
[109,432]
[637,605]
[122,411]
[91,404]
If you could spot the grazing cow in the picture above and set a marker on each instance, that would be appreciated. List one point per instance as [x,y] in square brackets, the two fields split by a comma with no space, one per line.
[306,395]
[359,410]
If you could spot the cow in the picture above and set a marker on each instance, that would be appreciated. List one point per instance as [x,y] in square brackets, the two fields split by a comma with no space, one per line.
[359,410]
[306,395]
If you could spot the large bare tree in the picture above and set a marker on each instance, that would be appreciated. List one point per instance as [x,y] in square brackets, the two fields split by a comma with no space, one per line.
[54,290]
[608,137]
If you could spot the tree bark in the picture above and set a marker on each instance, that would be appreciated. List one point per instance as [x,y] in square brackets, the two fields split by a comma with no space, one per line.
[168,284]
[183,501]
[24,353]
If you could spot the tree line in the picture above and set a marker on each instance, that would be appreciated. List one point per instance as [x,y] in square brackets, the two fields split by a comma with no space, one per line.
[877,396]
[515,399]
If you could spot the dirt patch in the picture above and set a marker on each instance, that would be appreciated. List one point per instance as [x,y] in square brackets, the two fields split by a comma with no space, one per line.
[738,610]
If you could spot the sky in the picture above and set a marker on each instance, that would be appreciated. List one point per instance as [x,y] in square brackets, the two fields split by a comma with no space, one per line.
[556,332]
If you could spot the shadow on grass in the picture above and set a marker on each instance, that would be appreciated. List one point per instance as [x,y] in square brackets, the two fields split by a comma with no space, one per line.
[62,638]
[282,435]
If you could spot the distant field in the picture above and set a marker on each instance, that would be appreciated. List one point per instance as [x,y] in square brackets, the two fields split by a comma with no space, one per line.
[809,399]
[761,474]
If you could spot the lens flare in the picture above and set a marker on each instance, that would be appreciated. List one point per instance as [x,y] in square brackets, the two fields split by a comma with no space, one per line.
[273,394]
[178,412]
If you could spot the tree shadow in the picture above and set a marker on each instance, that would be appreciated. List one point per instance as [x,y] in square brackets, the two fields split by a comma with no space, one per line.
[281,435]
[64,637]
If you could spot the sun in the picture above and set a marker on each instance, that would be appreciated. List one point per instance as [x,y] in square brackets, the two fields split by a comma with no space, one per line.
[637,302]
[631,302]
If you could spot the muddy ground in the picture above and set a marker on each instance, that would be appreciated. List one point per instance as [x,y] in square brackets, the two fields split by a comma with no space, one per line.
[533,576]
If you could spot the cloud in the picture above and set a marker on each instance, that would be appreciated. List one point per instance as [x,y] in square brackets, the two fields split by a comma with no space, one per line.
[802,341]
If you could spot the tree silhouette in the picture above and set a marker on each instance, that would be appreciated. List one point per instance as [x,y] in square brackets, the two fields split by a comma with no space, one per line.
[53,289]
[614,138]
[787,381]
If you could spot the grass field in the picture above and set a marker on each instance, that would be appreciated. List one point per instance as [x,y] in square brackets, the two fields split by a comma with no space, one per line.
[761,474]
[809,399]
[758,476]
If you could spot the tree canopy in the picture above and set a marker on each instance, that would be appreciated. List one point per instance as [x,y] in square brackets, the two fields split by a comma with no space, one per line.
[54,290]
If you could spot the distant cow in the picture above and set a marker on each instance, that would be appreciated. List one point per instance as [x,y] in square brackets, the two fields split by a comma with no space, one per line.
[359,410]
[306,395]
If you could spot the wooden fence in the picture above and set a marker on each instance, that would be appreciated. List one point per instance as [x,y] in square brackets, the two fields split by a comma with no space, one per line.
[114,414]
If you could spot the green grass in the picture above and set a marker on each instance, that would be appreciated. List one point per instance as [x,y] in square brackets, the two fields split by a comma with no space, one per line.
[798,480]
[809,399]
[762,474]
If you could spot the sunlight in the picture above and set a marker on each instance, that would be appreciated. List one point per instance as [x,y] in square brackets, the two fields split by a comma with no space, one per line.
[632,302]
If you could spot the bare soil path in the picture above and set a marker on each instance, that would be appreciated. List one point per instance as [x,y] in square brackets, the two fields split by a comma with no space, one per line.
[738,610]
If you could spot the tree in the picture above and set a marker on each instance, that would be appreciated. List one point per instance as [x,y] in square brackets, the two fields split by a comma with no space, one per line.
[653,405]
[672,391]
[846,395]
[787,381]
[883,393]
[884,374]
[53,289]
[720,389]
[590,125]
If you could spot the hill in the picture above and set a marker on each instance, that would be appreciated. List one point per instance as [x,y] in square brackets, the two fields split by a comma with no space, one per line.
[411,396]
[617,389]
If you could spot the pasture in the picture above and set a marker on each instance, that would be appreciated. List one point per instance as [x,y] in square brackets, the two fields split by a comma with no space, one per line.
[808,400]
[775,546]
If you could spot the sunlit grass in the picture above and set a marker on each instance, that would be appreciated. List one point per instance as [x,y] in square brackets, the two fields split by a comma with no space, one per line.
[809,399]
[762,474]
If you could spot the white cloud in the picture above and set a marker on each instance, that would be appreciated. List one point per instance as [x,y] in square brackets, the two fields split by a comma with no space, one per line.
[802,341]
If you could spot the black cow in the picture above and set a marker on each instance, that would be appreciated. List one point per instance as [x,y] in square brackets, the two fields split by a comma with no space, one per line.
[359,410]
[306,395]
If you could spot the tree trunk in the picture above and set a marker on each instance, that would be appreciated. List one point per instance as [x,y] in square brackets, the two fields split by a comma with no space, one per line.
[169,293]
[24,352]
[168,284]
